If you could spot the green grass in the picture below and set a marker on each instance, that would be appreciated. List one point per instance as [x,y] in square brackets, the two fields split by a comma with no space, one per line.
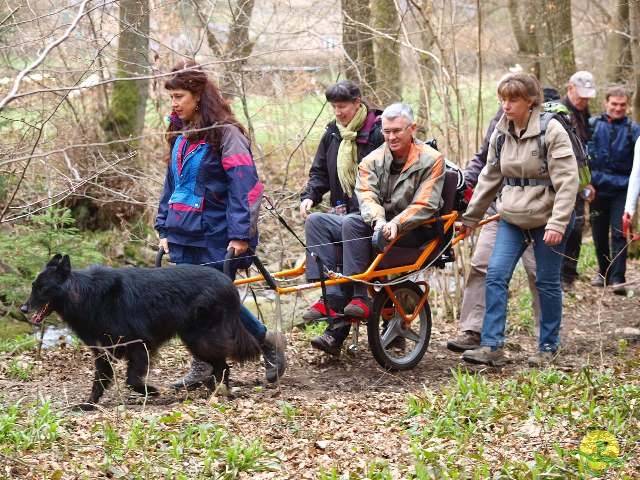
[19,370]
[152,446]
[15,340]
[520,318]
[313,329]
[29,427]
[588,262]
[457,432]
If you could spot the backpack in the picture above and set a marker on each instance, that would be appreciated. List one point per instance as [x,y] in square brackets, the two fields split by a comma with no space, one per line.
[559,112]
[461,199]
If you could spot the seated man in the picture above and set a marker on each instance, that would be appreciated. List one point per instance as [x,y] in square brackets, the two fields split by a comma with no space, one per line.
[399,186]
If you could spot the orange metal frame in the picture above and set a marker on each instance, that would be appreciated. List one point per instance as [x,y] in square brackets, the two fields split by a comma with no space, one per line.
[372,273]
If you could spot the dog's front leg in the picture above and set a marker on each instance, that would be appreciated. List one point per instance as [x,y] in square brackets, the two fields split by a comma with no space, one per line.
[138,369]
[102,379]
[219,382]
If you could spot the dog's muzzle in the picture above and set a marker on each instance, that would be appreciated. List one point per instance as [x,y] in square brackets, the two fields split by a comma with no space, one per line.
[39,316]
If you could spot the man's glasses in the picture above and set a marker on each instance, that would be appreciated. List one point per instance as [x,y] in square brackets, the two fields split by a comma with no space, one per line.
[393,131]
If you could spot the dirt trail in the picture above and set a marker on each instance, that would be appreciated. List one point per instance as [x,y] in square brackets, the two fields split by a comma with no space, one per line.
[344,406]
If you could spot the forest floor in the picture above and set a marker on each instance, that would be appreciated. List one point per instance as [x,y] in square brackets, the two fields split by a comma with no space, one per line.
[340,417]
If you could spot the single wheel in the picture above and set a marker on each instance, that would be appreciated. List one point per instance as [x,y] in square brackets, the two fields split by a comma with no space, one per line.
[394,345]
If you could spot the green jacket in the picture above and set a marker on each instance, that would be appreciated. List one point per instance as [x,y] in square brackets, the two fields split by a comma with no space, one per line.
[417,194]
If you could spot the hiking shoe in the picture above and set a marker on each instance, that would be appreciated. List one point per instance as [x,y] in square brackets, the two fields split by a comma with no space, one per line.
[199,373]
[327,343]
[542,359]
[467,340]
[597,281]
[319,310]
[358,307]
[619,288]
[485,356]
[274,346]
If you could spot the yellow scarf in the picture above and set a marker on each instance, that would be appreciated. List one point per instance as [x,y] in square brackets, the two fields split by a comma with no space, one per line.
[348,151]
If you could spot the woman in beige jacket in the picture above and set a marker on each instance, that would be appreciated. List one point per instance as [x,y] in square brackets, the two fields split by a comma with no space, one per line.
[537,178]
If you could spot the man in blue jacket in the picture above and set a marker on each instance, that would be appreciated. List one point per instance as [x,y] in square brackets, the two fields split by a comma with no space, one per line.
[611,148]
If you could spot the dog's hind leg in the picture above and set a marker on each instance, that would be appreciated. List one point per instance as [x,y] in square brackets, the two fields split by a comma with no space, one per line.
[137,370]
[101,381]
[219,381]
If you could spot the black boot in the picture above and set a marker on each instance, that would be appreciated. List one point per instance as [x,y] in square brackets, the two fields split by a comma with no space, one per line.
[274,346]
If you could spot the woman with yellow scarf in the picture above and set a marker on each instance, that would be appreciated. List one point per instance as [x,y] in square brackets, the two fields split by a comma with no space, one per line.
[355,132]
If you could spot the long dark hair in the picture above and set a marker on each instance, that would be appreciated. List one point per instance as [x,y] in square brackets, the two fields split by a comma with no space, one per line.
[212,111]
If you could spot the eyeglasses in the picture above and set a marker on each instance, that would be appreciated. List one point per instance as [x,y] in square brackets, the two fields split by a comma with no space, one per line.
[393,131]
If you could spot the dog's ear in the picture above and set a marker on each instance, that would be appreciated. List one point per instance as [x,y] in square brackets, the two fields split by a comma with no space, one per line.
[55,260]
[64,266]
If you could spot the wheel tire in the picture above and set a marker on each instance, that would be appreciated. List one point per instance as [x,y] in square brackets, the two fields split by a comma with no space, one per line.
[385,326]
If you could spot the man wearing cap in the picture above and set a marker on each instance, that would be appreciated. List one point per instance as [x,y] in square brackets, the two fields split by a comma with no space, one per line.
[580,89]
[611,148]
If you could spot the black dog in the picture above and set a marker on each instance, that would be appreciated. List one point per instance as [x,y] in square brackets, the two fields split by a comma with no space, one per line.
[131,312]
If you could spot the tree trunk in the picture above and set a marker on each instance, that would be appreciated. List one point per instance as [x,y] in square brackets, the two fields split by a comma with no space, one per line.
[235,52]
[556,39]
[358,44]
[238,48]
[387,51]
[618,53]
[125,117]
[428,66]
[526,34]
[634,24]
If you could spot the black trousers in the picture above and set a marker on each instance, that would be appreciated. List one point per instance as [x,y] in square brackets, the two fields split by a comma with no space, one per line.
[574,242]
[611,246]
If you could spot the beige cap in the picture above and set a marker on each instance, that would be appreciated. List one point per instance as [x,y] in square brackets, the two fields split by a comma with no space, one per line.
[584,83]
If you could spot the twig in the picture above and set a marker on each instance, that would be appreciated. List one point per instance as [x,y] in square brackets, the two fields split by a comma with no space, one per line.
[16,84]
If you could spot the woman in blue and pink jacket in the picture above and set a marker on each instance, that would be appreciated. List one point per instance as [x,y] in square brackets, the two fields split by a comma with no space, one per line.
[211,197]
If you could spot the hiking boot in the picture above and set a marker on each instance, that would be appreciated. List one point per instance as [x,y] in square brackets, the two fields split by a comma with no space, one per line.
[327,343]
[567,285]
[485,356]
[597,281]
[319,311]
[274,346]
[199,373]
[542,359]
[619,288]
[467,340]
[358,307]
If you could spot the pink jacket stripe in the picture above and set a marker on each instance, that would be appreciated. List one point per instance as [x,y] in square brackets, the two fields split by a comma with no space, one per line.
[237,160]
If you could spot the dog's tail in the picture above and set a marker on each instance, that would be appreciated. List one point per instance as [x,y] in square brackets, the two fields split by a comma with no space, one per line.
[245,347]
[217,320]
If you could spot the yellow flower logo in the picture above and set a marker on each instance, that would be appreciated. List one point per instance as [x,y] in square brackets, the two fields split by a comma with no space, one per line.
[599,452]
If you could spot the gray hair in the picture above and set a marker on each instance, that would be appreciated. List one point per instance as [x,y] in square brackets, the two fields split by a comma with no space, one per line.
[396,110]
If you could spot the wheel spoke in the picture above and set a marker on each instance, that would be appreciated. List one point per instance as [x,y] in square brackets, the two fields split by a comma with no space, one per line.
[411,335]
[392,332]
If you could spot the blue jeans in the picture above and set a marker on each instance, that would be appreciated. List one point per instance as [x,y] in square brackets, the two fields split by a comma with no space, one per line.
[181,254]
[511,241]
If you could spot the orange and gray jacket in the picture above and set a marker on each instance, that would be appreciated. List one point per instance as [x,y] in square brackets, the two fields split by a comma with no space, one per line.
[416,195]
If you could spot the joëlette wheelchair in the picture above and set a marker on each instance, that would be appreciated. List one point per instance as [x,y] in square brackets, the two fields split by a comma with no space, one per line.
[400,302]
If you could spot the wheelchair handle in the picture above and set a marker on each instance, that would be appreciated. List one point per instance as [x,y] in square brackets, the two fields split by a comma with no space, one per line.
[159,256]
[378,241]
[228,263]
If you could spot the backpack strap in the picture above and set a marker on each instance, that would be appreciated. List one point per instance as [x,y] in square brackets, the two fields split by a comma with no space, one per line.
[545,118]
[527,182]
[499,144]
